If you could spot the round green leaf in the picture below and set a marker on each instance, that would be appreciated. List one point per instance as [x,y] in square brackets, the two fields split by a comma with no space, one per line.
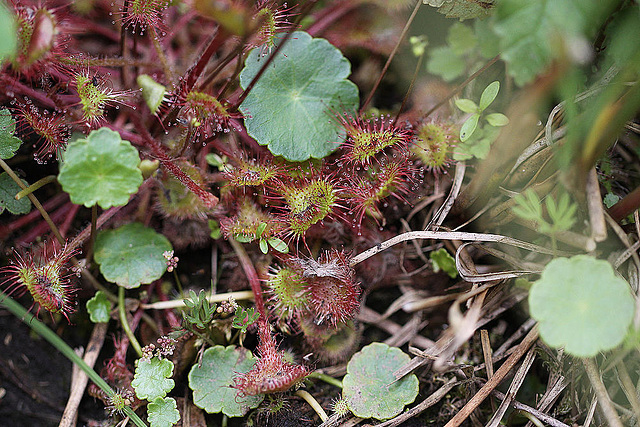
[163,412]
[101,168]
[8,191]
[212,381]
[468,127]
[99,308]
[289,108]
[152,378]
[489,94]
[9,144]
[371,389]
[497,119]
[131,255]
[582,305]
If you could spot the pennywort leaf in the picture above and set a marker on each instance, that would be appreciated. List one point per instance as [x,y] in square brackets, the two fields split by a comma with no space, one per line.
[290,106]
[152,378]
[131,255]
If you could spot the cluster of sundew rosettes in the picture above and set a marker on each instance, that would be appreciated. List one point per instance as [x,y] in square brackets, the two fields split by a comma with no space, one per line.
[50,129]
[272,373]
[324,290]
[433,144]
[44,273]
[376,154]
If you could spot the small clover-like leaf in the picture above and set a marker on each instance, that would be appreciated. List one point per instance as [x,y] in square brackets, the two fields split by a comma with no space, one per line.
[131,255]
[370,387]
[497,119]
[289,107]
[581,305]
[279,245]
[9,144]
[264,246]
[152,378]
[212,381]
[101,168]
[468,127]
[163,412]
[8,191]
[443,261]
[214,229]
[99,308]
[488,95]
[466,105]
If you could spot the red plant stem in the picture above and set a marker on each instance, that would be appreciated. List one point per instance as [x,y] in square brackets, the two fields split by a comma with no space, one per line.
[627,205]
[27,219]
[330,16]
[194,73]
[71,215]
[158,150]
[42,227]
[171,317]
[252,276]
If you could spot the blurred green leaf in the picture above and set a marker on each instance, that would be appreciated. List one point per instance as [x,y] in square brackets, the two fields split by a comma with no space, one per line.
[445,63]
[581,305]
[9,144]
[468,127]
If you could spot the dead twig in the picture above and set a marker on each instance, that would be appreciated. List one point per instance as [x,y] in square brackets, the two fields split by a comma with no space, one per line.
[497,378]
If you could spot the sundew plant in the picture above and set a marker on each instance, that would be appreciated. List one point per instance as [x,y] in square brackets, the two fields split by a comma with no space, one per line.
[304,213]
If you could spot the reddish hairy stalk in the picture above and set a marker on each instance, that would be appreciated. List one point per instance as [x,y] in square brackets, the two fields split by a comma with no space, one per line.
[158,150]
